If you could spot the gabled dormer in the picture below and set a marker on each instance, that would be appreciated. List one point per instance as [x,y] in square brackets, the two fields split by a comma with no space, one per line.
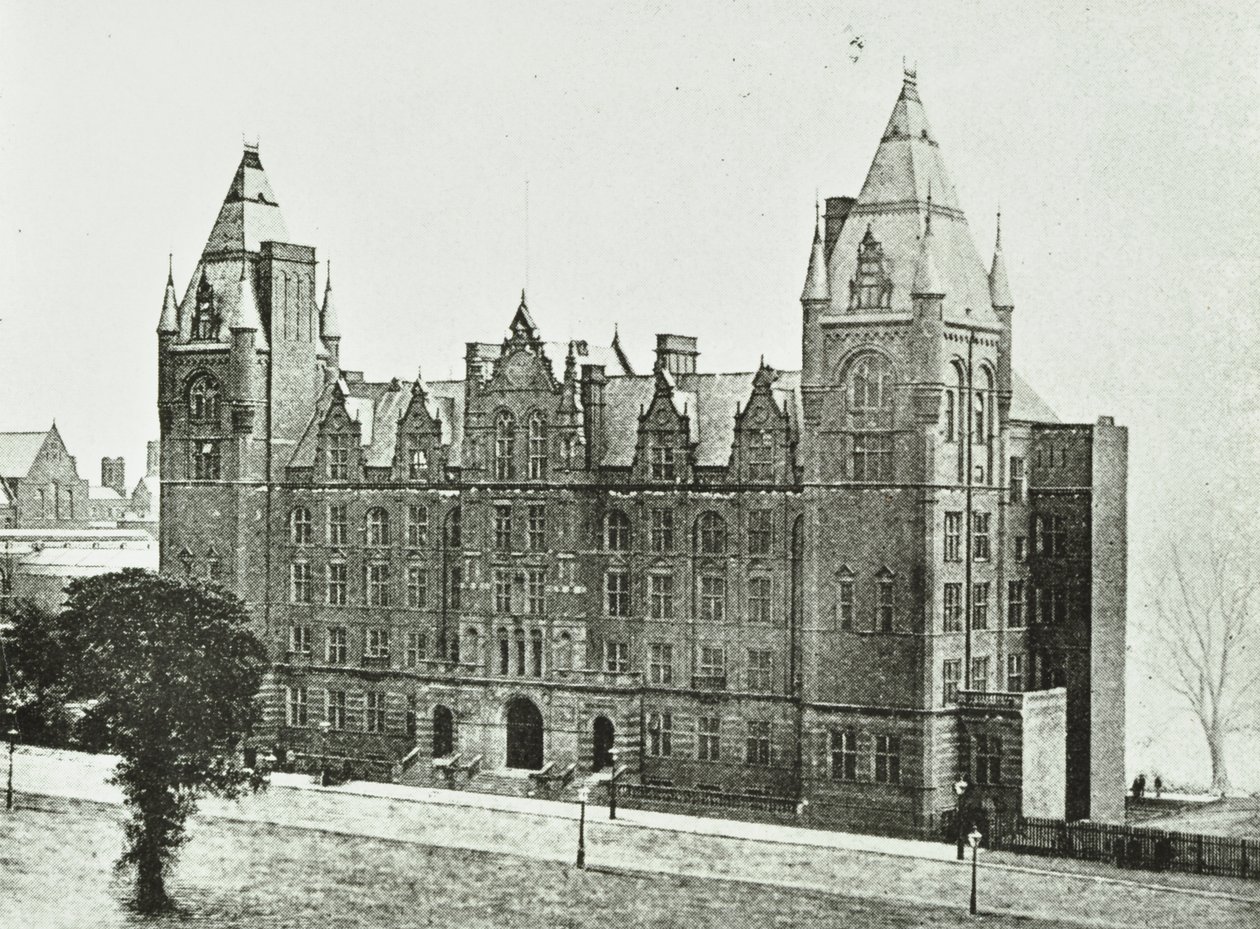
[339,453]
[762,449]
[206,316]
[666,440]
[418,451]
[871,286]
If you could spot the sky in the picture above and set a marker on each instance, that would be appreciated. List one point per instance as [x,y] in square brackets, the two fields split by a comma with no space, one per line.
[671,153]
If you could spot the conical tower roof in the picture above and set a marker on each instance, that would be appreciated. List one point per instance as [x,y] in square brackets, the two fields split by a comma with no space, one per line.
[816,276]
[242,311]
[169,320]
[250,213]
[907,167]
[999,288]
[329,324]
[927,279]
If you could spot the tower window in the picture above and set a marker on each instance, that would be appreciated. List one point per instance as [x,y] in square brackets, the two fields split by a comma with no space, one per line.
[205,321]
[616,531]
[203,400]
[504,446]
[871,285]
[537,447]
[206,461]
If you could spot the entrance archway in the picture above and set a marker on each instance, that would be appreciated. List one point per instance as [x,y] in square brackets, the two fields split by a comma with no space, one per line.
[524,735]
[604,734]
[443,732]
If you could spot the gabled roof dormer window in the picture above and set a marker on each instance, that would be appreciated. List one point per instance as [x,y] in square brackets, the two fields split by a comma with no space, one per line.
[205,321]
[871,285]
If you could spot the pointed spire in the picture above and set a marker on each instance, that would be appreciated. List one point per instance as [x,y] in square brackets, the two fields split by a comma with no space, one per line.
[999,288]
[522,325]
[329,324]
[244,313]
[927,279]
[816,287]
[417,387]
[169,320]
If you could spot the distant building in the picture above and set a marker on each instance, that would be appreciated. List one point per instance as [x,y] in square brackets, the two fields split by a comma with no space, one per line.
[849,584]
[37,564]
[39,482]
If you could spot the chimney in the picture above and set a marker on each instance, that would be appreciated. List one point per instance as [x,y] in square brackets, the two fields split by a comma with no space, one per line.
[153,459]
[676,353]
[837,212]
[114,475]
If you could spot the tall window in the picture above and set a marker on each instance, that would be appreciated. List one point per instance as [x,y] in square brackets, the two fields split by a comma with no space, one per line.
[951,676]
[712,531]
[980,673]
[759,599]
[870,288]
[760,670]
[505,653]
[760,532]
[206,318]
[660,734]
[1015,604]
[616,531]
[337,584]
[980,605]
[1051,535]
[884,608]
[454,532]
[617,593]
[953,536]
[872,456]
[203,400]
[519,636]
[504,446]
[537,447]
[206,461]
[887,759]
[503,527]
[661,596]
[377,525]
[713,598]
[988,759]
[417,460]
[663,458]
[455,589]
[953,608]
[761,456]
[712,667]
[980,538]
[660,663]
[502,590]
[378,583]
[662,530]
[338,456]
[416,649]
[870,386]
[375,712]
[417,526]
[337,645]
[758,743]
[300,641]
[1014,673]
[708,738]
[300,526]
[536,603]
[564,652]
[844,600]
[844,755]
[300,586]
[338,524]
[1017,480]
[296,700]
[617,657]
[335,708]
[417,586]
[537,527]
[536,652]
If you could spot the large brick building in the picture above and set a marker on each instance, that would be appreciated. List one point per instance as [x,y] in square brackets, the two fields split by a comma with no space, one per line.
[847,584]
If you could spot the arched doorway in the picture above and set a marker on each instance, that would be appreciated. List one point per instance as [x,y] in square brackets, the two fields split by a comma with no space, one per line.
[604,735]
[443,732]
[524,735]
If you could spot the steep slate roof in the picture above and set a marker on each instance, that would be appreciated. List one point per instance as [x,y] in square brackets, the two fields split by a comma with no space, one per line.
[1026,405]
[907,175]
[250,213]
[18,451]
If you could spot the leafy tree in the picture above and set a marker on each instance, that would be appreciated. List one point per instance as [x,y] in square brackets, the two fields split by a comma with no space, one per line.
[34,691]
[174,671]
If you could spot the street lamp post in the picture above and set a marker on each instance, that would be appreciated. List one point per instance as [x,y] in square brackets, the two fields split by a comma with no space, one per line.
[612,785]
[584,794]
[324,726]
[8,796]
[974,840]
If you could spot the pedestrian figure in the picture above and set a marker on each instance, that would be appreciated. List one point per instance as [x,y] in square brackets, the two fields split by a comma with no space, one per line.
[1158,785]
[1139,785]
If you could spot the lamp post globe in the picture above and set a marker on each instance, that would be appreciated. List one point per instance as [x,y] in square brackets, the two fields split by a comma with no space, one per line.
[973,839]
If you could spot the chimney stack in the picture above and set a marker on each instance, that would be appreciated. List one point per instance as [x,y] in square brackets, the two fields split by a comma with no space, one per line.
[676,353]
[114,475]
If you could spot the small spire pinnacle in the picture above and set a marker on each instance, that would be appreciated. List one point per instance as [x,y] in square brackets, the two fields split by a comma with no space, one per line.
[170,266]
[169,320]
[999,287]
[927,220]
[816,286]
[927,279]
[329,324]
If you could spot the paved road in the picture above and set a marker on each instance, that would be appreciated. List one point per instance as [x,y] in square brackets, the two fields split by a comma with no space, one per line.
[649,843]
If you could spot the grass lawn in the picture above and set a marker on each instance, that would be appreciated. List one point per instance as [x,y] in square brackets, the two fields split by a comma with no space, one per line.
[57,858]
[1238,817]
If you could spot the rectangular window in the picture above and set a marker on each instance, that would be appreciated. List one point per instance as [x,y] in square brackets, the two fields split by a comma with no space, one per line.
[884,614]
[1021,549]
[295,700]
[455,594]
[337,584]
[953,536]
[758,743]
[417,526]
[663,462]
[759,600]
[887,759]
[375,721]
[502,590]
[337,648]
[713,598]
[205,461]
[760,670]
[980,605]
[1052,536]
[417,460]
[537,590]
[844,755]
[377,644]
[760,532]
[1015,604]
[708,738]
[335,708]
[662,531]
[338,524]
[872,456]
[300,641]
[712,667]
[417,586]
[1014,673]
[617,593]
[980,539]
[951,675]
[980,674]
[378,584]
[660,663]
[660,734]
[617,657]
[1017,480]
[761,456]
[300,583]
[661,595]
[415,648]
[844,603]
[537,527]
[953,608]
[339,456]
[503,527]
[988,759]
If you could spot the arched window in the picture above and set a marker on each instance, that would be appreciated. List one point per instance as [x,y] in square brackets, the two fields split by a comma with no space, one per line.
[505,656]
[203,399]
[472,647]
[616,531]
[205,320]
[537,446]
[712,534]
[377,524]
[504,443]
[870,386]
[871,285]
[453,531]
[536,653]
[870,396]
[564,652]
[520,652]
[300,525]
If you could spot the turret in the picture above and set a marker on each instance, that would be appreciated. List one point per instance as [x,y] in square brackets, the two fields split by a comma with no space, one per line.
[168,322]
[927,297]
[247,338]
[815,296]
[330,327]
[1003,306]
